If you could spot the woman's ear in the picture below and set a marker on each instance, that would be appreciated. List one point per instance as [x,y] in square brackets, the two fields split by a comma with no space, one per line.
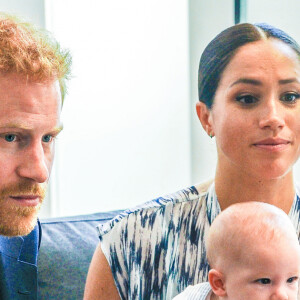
[216,281]
[205,117]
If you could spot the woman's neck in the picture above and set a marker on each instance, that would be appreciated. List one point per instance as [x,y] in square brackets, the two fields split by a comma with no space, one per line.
[233,187]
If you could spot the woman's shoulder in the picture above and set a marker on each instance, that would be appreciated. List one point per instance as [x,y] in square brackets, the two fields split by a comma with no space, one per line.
[188,195]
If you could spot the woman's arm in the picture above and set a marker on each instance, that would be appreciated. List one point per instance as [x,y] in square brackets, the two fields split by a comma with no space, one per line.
[100,283]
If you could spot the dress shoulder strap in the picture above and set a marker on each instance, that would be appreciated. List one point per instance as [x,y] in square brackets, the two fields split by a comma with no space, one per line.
[203,187]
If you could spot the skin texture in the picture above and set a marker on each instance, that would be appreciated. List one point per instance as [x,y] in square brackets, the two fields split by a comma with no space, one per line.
[244,170]
[245,113]
[29,121]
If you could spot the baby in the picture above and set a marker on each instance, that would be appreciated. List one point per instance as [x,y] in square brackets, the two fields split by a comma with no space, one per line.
[254,253]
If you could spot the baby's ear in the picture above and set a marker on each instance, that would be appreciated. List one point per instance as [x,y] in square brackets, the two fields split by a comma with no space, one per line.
[216,281]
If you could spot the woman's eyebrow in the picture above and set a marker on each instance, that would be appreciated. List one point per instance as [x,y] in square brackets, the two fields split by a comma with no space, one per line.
[257,82]
[247,81]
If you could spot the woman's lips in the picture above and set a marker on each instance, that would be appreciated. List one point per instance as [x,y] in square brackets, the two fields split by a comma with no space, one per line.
[26,200]
[273,144]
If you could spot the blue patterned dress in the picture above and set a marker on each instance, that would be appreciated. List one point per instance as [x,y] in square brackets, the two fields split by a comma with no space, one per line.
[158,249]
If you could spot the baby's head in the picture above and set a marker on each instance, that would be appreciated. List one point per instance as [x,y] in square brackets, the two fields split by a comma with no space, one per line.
[254,253]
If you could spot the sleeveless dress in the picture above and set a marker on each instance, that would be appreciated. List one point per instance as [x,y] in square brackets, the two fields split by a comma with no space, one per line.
[158,249]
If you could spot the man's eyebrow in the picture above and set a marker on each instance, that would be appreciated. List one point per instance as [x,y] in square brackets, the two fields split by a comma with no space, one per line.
[289,80]
[15,125]
[55,130]
[58,129]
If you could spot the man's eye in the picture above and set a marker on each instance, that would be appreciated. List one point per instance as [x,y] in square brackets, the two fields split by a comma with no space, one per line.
[47,138]
[292,279]
[290,97]
[264,280]
[246,99]
[10,137]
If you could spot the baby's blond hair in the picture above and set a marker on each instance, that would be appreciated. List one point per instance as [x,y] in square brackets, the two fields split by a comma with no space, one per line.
[245,224]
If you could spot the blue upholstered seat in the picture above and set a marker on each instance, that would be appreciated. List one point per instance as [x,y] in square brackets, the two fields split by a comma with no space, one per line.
[67,247]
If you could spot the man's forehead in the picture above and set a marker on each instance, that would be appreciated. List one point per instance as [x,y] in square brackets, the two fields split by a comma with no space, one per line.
[13,84]
[29,100]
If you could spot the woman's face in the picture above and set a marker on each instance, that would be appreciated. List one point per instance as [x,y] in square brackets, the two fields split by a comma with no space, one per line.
[256,112]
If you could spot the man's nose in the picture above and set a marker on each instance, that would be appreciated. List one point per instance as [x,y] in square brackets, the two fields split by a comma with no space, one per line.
[32,163]
[272,116]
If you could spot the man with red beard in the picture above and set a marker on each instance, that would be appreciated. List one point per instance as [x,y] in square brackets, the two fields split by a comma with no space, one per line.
[33,73]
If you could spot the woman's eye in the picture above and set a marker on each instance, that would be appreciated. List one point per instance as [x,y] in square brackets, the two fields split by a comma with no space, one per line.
[246,99]
[10,137]
[264,280]
[290,97]
[292,279]
[47,138]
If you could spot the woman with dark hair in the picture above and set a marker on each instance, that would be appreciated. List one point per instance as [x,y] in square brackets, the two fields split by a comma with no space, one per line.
[249,90]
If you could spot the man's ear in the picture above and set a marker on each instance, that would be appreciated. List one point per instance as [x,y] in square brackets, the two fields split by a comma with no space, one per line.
[205,117]
[216,281]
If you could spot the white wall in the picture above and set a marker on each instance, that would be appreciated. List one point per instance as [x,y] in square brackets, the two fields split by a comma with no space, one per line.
[126,136]
[31,10]
[283,14]
[206,20]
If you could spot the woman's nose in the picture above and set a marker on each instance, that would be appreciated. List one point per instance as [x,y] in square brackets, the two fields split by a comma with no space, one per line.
[272,116]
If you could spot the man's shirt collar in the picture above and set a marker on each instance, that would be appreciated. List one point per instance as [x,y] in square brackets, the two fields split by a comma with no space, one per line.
[22,248]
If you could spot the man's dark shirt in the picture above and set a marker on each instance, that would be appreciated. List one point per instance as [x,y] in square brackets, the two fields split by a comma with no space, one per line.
[18,266]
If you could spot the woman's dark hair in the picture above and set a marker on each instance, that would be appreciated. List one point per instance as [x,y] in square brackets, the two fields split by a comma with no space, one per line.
[222,48]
